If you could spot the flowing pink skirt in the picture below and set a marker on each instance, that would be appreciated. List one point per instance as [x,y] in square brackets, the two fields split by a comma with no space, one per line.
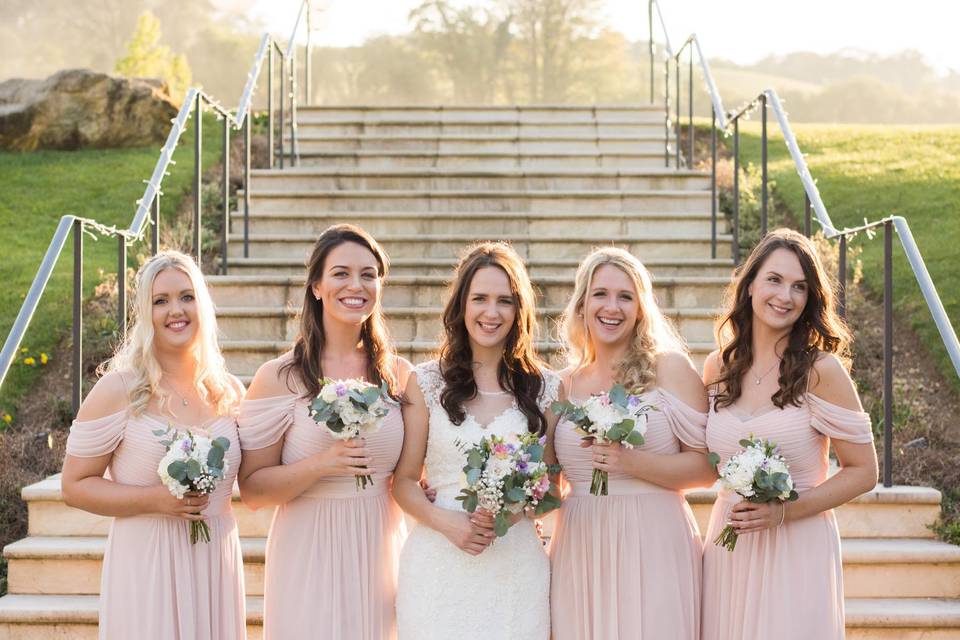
[626,566]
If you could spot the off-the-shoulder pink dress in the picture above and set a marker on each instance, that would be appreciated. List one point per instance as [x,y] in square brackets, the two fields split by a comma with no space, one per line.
[155,584]
[627,565]
[331,559]
[785,582]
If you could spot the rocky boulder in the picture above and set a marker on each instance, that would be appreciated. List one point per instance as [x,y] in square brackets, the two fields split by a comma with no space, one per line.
[79,108]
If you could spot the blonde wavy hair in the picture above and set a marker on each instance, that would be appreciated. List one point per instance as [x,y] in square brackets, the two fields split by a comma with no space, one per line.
[653,333]
[137,355]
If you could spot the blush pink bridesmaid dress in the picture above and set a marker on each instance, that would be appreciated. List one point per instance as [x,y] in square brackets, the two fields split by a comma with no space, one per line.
[332,552]
[785,582]
[155,585]
[627,565]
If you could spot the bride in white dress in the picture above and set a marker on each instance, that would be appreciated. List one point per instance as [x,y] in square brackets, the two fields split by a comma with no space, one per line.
[455,580]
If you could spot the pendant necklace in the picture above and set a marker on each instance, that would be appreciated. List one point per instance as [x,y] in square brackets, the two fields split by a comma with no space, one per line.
[759,379]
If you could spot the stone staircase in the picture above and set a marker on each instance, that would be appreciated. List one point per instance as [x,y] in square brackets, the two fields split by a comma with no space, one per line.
[426,181]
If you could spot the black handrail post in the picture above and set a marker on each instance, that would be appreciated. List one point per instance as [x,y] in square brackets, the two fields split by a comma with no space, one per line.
[650,46]
[271,144]
[736,190]
[197,174]
[246,185]
[764,197]
[678,122]
[293,108]
[283,70]
[155,232]
[226,196]
[77,367]
[713,182]
[690,112]
[666,109]
[888,354]
[122,287]
[807,218]
[842,277]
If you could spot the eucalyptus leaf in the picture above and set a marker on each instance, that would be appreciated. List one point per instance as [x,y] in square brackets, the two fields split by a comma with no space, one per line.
[516,495]
[501,524]
[714,459]
[178,470]
[618,395]
[193,469]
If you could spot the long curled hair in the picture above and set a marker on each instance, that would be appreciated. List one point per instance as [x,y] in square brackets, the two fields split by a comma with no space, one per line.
[310,341]
[519,371]
[652,334]
[137,354]
[818,329]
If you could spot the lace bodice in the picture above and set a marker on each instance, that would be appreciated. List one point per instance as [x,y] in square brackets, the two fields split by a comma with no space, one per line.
[446,441]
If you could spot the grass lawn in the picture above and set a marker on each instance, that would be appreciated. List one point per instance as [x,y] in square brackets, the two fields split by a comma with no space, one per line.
[873,171]
[36,189]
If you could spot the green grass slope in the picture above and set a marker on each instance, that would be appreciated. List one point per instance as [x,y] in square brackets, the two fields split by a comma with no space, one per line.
[874,171]
[36,189]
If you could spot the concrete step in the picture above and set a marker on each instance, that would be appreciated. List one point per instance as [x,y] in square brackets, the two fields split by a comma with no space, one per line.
[480,160]
[898,512]
[482,113]
[681,292]
[695,267]
[407,126]
[489,224]
[644,246]
[311,178]
[244,357]
[420,323]
[594,200]
[527,143]
[872,568]
[42,617]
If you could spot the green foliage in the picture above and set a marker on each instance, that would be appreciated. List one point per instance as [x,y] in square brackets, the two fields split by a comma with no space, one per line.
[145,57]
[103,184]
[870,172]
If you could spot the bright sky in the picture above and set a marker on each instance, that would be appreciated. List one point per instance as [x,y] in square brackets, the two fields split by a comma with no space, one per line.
[755,29]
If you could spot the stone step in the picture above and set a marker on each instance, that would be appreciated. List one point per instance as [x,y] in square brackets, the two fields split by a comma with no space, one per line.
[42,617]
[419,324]
[662,200]
[244,357]
[524,144]
[311,178]
[898,512]
[872,568]
[490,224]
[681,292]
[644,246]
[482,113]
[695,267]
[481,160]
[311,128]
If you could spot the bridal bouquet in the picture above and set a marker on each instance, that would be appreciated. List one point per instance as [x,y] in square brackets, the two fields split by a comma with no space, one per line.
[615,416]
[351,409]
[507,475]
[758,474]
[192,463]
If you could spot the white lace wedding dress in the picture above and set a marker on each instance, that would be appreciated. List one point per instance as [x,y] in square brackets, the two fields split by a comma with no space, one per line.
[445,593]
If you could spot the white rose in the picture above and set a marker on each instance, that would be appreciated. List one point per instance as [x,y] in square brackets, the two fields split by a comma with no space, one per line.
[329,393]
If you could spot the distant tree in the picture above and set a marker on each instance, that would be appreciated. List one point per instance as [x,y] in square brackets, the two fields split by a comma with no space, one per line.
[146,58]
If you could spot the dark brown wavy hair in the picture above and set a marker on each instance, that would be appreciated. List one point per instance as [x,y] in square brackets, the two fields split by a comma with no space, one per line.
[308,347]
[519,371]
[819,329]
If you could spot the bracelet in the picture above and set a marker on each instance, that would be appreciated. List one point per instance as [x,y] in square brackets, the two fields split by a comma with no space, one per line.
[783,513]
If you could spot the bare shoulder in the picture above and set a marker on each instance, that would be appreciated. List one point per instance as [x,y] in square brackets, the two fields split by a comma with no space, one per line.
[269,380]
[676,374]
[108,396]
[711,366]
[402,368]
[831,382]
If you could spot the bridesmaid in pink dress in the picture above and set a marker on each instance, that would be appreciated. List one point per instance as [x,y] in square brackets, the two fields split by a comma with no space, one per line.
[155,584]
[331,558]
[627,565]
[780,375]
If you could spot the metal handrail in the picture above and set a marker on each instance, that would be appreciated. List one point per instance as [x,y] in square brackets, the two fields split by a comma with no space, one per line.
[148,206]
[769,99]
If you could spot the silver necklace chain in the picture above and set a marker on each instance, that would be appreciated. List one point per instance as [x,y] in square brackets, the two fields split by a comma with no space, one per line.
[759,379]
